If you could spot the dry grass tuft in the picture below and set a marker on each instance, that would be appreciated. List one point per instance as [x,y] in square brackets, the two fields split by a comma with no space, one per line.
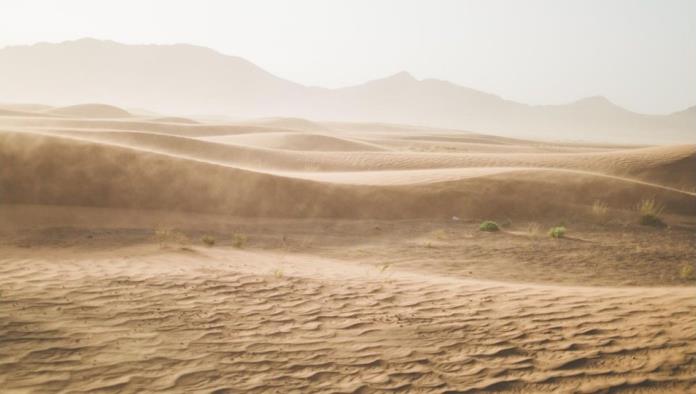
[208,240]
[239,240]
[650,212]
[166,236]
[600,209]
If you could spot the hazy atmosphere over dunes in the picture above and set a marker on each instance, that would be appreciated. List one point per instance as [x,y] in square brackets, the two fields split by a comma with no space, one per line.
[155,76]
[176,217]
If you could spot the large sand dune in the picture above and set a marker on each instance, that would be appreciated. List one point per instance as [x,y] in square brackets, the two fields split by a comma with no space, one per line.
[347,259]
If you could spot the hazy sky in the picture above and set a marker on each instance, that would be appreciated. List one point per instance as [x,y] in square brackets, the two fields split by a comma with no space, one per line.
[640,54]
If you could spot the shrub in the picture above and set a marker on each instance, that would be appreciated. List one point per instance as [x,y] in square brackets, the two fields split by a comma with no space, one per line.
[167,235]
[651,220]
[489,226]
[650,212]
[600,209]
[239,240]
[557,232]
[208,240]
[687,271]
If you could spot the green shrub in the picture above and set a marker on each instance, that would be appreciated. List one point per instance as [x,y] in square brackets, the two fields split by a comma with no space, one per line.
[687,271]
[557,232]
[489,226]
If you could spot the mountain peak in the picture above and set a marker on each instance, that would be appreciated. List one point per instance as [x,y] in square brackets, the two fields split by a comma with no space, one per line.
[597,103]
[404,76]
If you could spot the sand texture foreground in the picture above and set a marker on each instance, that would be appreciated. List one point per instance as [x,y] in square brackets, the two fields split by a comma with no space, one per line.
[231,322]
[167,254]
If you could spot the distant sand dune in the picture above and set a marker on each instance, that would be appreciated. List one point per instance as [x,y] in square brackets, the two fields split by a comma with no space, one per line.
[173,119]
[297,142]
[88,173]
[91,111]
[667,166]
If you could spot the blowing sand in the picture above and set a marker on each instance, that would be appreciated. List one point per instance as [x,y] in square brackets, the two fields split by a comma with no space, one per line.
[346,258]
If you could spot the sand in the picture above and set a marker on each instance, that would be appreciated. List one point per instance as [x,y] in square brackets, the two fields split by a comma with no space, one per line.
[347,258]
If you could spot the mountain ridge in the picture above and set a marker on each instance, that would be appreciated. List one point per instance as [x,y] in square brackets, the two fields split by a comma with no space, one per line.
[185,79]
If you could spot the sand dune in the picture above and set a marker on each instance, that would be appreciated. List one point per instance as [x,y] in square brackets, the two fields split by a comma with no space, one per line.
[147,178]
[346,258]
[174,119]
[667,166]
[26,107]
[90,111]
[296,141]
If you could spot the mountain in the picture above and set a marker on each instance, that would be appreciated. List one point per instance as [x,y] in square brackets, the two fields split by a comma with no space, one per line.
[187,79]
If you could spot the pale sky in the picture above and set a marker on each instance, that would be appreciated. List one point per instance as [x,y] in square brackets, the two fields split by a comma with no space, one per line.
[640,54]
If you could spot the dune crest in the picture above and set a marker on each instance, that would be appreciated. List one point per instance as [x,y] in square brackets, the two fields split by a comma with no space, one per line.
[98,111]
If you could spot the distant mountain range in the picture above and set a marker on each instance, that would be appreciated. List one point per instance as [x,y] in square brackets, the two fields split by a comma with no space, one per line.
[186,79]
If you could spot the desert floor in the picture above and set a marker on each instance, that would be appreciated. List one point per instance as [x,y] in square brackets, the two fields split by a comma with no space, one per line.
[340,258]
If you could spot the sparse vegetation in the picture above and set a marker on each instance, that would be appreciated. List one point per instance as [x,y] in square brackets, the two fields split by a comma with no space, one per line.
[650,212]
[278,273]
[239,240]
[687,271]
[440,234]
[208,240]
[489,226]
[600,209]
[557,232]
[170,236]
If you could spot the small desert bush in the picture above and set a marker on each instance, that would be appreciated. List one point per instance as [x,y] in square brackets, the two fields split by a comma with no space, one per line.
[489,226]
[650,212]
[239,240]
[600,209]
[687,271]
[557,232]
[208,240]
[170,236]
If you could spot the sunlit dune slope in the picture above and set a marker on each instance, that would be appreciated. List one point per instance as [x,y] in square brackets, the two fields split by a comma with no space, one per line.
[665,165]
[78,172]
